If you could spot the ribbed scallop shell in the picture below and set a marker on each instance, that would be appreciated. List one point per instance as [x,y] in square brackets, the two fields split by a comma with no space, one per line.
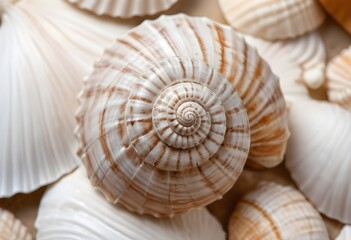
[124,8]
[339,79]
[273,19]
[318,156]
[299,63]
[46,49]
[73,209]
[345,233]
[340,11]
[11,228]
[276,212]
[163,126]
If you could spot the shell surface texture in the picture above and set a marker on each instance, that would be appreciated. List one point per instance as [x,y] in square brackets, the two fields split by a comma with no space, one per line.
[273,19]
[299,63]
[12,228]
[173,110]
[345,233]
[47,47]
[273,211]
[340,11]
[124,8]
[318,156]
[339,79]
[73,209]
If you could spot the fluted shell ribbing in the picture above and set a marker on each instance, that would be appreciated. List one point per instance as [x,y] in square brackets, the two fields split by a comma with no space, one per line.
[275,212]
[12,228]
[167,115]
[273,19]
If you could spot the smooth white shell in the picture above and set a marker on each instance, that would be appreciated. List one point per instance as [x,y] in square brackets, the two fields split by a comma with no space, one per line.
[11,228]
[73,209]
[276,212]
[339,79]
[165,116]
[47,47]
[124,8]
[318,156]
[273,19]
[345,233]
[299,63]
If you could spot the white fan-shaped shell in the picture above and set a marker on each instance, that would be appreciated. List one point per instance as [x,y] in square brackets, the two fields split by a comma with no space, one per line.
[46,49]
[276,212]
[161,125]
[299,63]
[124,8]
[73,209]
[318,156]
[345,233]
[11,228]
[339,79]
[273,19]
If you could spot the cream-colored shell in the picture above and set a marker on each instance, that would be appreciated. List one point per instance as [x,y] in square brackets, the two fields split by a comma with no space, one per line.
[273,19]
[340,11]
[276,212]
[318,156]
[167,115]
[339,79]
[299,63]
[345,233]
[47,47]
[124,8]
[11,228]
[73,209]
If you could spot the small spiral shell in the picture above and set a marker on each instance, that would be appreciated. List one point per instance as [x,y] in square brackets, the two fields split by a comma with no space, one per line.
[275,212]
[12,228]
[169,113]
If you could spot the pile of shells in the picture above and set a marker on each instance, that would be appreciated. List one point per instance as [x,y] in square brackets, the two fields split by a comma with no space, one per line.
[163,126]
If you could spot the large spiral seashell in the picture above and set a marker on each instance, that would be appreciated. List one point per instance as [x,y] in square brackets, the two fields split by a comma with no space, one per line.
[339,79]
[12,228]
[273,19]
[275,212]
[172,111]
[124,8]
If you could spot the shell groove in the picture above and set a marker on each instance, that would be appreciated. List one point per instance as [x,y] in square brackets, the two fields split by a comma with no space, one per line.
[276,212]
[299,63]
[183,136]
[73,209]
[345,233]
[37,144]
[273,20]
[318,156]
[12,228]
[340,11]
[339,79]
[124,8]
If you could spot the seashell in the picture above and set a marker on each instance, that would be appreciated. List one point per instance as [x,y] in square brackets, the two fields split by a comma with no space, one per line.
[340,11]
[124,8]
[299,63]
[339,79]
[273,20]
[165,117]
[345,233]
[277,212]
[66,212]
[318,156]
[46,49]
[12,228]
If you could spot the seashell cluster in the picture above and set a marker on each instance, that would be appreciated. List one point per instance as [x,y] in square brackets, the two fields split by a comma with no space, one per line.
[12,228]
[173,110]
[272,212]
[124,8]
[299,63]
[273,20]
[340,11]
[46,50]
[318,156]
[339,79]
[73,209]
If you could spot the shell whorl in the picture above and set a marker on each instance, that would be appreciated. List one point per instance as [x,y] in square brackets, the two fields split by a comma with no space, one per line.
[169,113]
